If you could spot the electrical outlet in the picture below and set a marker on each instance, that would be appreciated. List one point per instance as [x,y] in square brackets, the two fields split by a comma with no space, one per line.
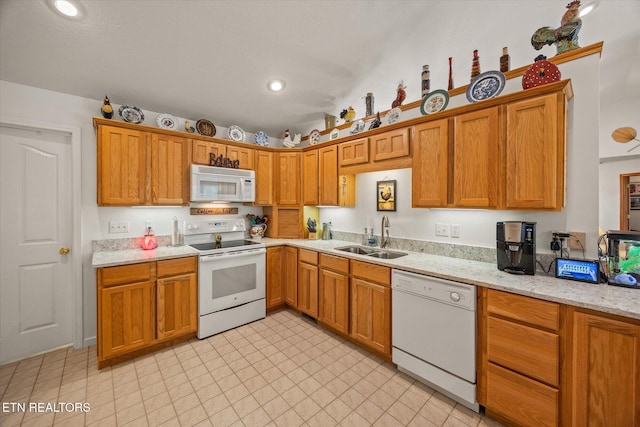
[455,230]
[576,236]
[147,225]
[118,227]
[442,229]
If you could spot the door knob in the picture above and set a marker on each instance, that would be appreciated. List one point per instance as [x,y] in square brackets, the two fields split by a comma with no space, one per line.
[64,251]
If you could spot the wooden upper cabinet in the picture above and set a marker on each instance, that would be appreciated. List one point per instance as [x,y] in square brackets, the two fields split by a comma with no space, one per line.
[264,177]
[390,145]
[535,153]
[244,155]
[288,183]
[123,166]
[310,178]
[202,151]
[169,170]
[475,162]
[328,175]
[430,164]
[353,152]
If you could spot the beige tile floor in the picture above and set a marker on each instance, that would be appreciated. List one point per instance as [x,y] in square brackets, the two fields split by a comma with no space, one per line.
[280,371]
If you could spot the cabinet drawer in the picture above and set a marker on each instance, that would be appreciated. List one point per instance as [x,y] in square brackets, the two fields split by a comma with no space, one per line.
[527,350]
[174,267]
[524,401]
[334,263]
[529,310]
[133,273]
[373,272]
[310,257]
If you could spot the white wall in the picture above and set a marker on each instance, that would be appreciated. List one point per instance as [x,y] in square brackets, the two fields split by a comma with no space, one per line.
[26,104]
[477,227]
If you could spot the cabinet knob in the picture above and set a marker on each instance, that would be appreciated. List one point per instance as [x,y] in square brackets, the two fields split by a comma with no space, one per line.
[64,251]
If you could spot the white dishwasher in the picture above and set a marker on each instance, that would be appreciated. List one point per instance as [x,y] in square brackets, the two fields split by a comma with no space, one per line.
[434,333]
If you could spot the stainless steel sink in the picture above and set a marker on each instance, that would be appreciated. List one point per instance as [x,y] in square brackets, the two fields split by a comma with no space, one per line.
[386,254]
[356,250]
[376,253]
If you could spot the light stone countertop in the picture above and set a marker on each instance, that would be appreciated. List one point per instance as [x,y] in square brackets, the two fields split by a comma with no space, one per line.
[604,298]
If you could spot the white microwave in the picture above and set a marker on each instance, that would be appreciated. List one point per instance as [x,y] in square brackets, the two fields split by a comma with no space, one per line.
[214,184]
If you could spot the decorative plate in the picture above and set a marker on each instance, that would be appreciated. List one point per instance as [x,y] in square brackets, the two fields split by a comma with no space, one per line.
[357,127]
[167,121]
[394,115]
[205,127]
[131,114]
[434,102]
[261,138]
[236,133]
[485,86]
[314,137]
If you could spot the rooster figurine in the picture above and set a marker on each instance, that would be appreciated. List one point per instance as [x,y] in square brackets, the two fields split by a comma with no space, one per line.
[566,36]
[400,97]
[287,142]
[348,114]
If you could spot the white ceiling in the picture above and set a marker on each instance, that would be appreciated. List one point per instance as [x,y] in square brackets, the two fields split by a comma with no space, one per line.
[212,58]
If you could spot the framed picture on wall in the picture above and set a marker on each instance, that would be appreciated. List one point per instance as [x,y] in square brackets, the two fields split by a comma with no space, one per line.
[386,195]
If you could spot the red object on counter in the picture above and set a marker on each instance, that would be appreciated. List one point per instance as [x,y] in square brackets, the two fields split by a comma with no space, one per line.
[149,241]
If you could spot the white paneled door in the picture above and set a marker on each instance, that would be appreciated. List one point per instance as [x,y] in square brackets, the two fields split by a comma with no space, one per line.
[36,285]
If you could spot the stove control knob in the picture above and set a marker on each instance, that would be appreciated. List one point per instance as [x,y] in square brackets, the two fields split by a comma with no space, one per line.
[455,296]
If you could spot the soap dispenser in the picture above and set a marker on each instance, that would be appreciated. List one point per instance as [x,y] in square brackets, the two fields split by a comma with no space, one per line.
[372,238]
[365,237]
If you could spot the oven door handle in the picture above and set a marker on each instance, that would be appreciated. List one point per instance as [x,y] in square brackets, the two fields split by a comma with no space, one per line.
[232,254]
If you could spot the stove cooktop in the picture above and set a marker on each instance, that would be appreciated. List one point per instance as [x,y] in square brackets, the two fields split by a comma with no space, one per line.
[210,246]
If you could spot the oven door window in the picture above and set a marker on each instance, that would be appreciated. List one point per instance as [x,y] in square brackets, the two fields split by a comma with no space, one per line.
[226,282]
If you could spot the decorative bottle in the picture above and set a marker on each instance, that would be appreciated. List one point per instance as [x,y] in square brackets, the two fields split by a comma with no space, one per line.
[369,104]
[426,81]
[504,60]
[450,75]
[475,65]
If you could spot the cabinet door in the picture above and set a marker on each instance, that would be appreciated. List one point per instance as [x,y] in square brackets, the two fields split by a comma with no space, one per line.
[291,276]
[308,289]
[606,365]
[354,152]
[275,282]
[169,170]
[264,177]
[334,300]
[328,176]
[534,154]
[123,166]
[371,315]
[245,155]
[202,150]
[177,305]
[430,165]
[390,145]
[475,162]
[124,317]
[288,183]
[310,178]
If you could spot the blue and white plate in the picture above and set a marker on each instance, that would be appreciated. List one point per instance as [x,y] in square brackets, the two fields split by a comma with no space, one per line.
[261,138]
[485,86]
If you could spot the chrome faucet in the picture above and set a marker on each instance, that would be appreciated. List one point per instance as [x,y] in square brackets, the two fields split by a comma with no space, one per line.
[384,241]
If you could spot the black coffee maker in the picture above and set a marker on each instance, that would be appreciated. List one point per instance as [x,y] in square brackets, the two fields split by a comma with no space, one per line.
[516,243]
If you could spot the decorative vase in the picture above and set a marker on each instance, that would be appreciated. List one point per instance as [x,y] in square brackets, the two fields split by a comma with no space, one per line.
[107,109]
[257,231]
[475,65]
[369,104]
[505,60]
[450,75]
[426,80]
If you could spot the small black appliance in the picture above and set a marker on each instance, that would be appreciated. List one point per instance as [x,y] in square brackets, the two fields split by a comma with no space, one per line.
[516,246]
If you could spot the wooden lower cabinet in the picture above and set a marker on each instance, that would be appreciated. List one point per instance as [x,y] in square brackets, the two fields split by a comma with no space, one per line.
[334,293]
[605,387]
[291,276]
[308,282]
[141,305]
[371,306]
[275,283]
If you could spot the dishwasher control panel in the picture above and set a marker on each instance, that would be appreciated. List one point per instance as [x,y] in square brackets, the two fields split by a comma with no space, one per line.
[445,291]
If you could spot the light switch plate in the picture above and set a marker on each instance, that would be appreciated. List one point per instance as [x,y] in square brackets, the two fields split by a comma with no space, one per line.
[442,229]
[118,227]
[455,230]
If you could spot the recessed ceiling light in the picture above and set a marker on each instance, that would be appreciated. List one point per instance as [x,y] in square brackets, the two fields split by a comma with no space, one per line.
[276,85]
[67,8]
[588,8]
